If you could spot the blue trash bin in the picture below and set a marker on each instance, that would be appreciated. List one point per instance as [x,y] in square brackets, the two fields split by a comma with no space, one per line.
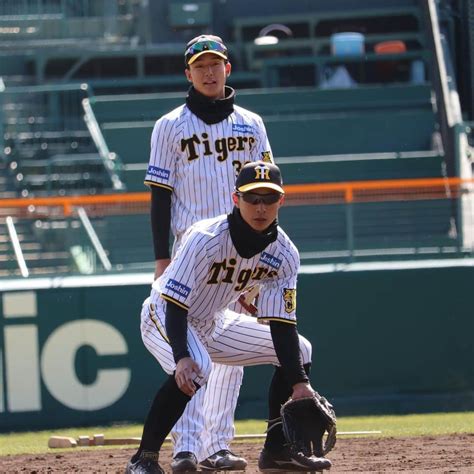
[347,44]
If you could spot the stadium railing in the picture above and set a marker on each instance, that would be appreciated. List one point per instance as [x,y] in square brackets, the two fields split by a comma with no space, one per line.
[321,23]
[39,20]
[329,222]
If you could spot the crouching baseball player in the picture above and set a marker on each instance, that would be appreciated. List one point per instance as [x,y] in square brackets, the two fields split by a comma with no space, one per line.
[186,326]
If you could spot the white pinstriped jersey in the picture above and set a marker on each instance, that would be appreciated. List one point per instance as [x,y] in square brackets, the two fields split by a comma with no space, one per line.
[199,162]
[207,274]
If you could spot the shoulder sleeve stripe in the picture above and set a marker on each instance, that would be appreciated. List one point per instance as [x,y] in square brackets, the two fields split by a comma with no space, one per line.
[176,302]
[281,320]
[160,185]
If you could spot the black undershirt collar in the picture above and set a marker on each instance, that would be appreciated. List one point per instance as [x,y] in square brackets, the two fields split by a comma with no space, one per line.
[247,241]
[208,110]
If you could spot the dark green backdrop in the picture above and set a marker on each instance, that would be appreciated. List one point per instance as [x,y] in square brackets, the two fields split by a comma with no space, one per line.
[384,341]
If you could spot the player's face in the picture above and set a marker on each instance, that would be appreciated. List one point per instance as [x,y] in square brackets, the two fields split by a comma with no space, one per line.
[208,75]
[256,212]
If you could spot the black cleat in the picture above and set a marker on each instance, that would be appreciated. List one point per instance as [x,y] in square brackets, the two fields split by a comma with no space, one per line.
[224,460]
[147,463]
[284,461]
[184,461]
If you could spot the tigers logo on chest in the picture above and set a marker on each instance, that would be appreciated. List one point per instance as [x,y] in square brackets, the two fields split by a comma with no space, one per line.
[225,272]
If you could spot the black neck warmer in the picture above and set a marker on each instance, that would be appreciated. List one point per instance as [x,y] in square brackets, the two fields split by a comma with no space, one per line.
[247,241]
[208,110]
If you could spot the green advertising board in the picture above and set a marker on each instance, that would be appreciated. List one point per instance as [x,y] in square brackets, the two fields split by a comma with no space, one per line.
[385,340]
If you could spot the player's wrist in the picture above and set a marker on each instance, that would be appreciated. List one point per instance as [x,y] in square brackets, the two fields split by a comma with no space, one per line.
[180,356]
[302,384]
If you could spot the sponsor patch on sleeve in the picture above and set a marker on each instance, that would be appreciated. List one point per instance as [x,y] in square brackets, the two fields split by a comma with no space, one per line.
[242,128]
[270,260]
[178,288]
[289,298]
[158,172]
[267,156]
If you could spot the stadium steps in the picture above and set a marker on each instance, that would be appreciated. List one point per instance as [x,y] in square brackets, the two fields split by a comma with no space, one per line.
[270,102]
[334,168]
[299,122]
[308,135]
[47,146]
[362,167]
[7,185]
[44,252]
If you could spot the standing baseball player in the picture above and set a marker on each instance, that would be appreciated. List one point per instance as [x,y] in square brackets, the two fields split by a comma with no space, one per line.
[186,323]
[197,151]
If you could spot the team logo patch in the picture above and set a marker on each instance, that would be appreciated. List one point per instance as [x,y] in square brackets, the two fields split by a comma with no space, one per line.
[266,156]
[178,287]
[270,260]
[158,172]
[289,297]
[242,128]
[262,172]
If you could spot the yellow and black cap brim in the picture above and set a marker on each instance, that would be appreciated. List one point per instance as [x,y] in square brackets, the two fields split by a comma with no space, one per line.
[250,187]
[198,55]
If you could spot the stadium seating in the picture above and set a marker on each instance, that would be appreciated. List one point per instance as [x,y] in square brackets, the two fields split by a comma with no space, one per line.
[384,127]
[46,144]
[271,102]
[338,122]
[362,167]
[43,243]
[305,134]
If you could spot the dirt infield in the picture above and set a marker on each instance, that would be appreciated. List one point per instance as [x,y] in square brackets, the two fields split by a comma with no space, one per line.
[453,453]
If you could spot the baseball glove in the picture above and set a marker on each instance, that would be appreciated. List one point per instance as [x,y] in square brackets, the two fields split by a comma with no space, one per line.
[305,421]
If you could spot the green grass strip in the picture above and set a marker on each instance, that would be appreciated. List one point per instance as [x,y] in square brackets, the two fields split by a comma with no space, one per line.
[398,426]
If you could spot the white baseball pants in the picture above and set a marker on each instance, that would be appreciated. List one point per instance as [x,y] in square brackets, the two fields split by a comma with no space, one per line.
[239,341]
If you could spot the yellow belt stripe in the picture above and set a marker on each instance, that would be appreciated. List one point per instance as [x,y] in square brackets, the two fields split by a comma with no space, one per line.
[155,321]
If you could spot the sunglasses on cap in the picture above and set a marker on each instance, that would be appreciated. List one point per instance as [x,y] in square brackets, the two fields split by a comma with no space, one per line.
[254,198]
[207,45]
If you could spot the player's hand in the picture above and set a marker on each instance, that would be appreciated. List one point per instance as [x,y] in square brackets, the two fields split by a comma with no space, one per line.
[186,369]
[302,390]
[160,266]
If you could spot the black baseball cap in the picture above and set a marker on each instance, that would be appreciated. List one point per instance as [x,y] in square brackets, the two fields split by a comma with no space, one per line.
[259,174]
[204,44]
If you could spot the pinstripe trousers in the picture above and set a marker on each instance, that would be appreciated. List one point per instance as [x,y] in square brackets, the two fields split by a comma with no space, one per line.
[237,340]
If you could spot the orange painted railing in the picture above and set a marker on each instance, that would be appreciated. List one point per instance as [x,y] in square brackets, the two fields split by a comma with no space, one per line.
[296,194]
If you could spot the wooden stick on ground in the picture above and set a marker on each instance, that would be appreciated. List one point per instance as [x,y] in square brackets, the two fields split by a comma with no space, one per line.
[101,440]
[61,442]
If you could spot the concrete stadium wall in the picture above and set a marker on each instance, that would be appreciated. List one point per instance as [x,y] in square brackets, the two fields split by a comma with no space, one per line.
[385,340]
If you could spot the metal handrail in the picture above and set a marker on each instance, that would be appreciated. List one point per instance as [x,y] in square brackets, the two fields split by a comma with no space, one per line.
[438,51]
[91,233]
[2,135]
[49,88]
[110,160]
[17,247]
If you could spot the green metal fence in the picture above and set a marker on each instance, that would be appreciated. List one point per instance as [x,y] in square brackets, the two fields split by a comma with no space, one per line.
[334,223]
